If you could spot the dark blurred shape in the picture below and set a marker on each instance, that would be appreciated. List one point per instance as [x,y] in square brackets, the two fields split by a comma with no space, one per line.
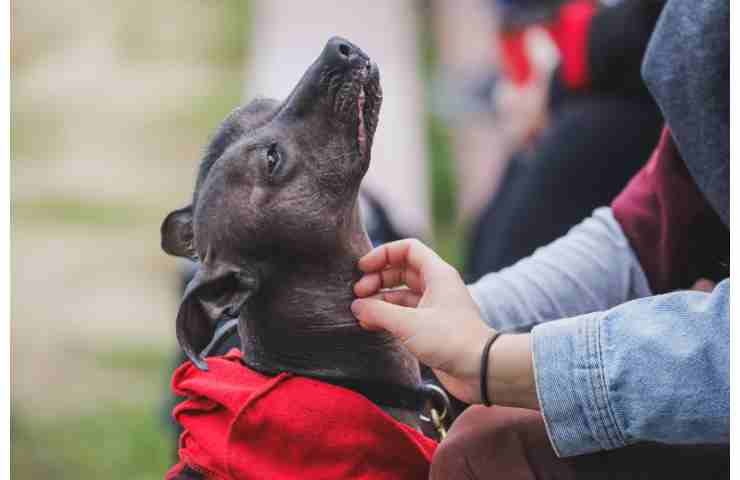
[513,443]
[603,126]
[377,223]
[571,171]
[520,13]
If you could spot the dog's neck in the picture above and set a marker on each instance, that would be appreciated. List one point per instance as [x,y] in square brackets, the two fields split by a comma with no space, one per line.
[302,323]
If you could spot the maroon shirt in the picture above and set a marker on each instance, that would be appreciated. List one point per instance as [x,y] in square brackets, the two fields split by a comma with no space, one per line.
[677,236]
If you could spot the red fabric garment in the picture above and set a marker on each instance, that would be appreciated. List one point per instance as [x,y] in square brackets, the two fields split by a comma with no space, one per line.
[570,34]
[514,59]
[675,233]
[239,424]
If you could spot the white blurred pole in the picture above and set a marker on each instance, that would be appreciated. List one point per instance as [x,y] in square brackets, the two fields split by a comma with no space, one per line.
[480,147]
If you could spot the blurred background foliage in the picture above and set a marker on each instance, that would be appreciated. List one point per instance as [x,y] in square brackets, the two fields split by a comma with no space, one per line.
[112,103]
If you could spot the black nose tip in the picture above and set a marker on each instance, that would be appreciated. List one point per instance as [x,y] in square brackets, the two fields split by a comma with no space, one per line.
[340,51]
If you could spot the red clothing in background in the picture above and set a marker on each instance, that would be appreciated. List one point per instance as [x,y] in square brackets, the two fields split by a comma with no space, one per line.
[569,31]
[570,34]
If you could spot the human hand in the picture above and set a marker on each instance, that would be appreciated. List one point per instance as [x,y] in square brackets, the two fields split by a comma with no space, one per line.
[435,317]
[703,285]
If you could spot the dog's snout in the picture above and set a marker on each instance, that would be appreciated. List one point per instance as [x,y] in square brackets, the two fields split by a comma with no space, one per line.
[341,52]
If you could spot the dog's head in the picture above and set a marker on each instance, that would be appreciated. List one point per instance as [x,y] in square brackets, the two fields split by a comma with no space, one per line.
[278,180]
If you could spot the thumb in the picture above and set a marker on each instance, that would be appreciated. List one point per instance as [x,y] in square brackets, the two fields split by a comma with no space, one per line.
[375,314]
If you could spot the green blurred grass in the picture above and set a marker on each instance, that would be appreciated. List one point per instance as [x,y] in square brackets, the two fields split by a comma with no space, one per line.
[449,236]
[124,442]
[125,438]
[146,361]
[116,439]
[81,211]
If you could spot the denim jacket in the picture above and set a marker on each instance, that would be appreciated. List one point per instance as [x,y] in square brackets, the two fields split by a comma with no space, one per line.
[613,365]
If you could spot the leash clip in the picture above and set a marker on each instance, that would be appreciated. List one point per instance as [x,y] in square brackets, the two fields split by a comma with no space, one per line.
[438,425]
[438,399]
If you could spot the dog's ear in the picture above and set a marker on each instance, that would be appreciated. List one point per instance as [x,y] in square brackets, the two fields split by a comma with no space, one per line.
[213,294]
[177,233]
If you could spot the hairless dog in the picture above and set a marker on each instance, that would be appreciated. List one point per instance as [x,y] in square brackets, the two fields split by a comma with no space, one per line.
[275,227]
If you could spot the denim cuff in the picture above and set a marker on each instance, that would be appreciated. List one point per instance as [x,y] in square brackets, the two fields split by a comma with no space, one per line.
[571,386]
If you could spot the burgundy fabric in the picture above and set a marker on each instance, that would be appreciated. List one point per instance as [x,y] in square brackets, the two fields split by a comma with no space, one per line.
[239,424]
[512,444]
[496,442]
[676,235]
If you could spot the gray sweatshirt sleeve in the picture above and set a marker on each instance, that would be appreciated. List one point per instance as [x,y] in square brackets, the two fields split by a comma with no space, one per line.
[592,268]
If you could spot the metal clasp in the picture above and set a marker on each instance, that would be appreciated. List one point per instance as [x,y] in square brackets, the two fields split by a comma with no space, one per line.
[436,395]
[438,425]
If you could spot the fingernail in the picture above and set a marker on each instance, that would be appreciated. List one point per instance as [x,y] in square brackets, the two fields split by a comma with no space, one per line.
[355,307]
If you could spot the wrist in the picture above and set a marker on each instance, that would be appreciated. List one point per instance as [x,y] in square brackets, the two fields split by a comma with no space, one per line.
[484,364]
[468,368]
[510,376]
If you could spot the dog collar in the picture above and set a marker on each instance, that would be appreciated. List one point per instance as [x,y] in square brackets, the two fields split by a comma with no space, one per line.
[426,397]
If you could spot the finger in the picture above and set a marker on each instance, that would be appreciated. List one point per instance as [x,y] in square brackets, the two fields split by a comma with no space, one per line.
[396,277]
[406,253]
[375,314]
[402,297]
[392,277]
[394,254]
[703,285]
[369,284]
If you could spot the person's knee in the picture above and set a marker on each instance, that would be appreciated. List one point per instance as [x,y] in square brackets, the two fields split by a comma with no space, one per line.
[484,440]
[451,460]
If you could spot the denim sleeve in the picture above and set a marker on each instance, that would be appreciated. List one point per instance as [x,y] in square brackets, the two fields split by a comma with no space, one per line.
[591,268]
[654,369]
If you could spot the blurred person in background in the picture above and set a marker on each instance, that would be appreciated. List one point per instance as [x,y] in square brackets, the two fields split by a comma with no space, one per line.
[568,86]
[590,125]
[624,372]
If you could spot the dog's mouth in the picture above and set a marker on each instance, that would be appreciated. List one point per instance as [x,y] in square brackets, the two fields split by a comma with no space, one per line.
[361,131]
[357,102]
[369,99]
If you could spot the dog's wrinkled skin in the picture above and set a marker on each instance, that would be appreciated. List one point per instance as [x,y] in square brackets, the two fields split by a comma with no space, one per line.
[275,225]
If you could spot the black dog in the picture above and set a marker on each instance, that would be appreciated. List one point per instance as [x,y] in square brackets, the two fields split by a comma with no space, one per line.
[275,227]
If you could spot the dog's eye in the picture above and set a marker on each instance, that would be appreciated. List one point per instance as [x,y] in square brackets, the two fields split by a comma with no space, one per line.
[273,159]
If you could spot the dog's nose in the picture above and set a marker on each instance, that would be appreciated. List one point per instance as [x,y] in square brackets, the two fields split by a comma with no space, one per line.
[339,51]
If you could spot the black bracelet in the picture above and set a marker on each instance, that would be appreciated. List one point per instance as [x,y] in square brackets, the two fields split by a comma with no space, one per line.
[484,369]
